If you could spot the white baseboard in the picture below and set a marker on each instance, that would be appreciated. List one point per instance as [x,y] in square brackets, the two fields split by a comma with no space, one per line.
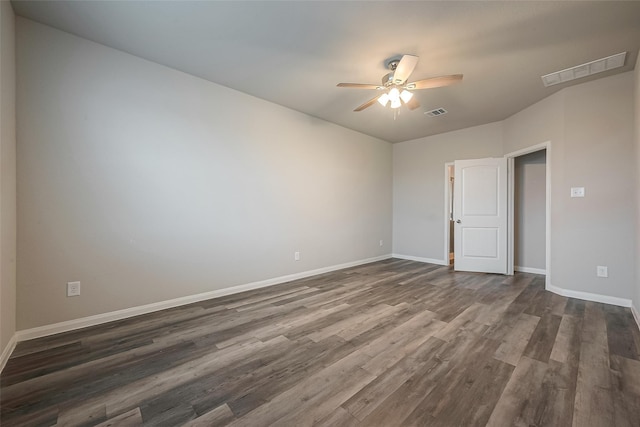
[530,270]
[420,259]
[6,353]
[606,299]
[70,325]
[636,315]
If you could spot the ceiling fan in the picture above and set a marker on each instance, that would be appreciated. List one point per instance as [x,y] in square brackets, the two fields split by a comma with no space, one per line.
[395,89]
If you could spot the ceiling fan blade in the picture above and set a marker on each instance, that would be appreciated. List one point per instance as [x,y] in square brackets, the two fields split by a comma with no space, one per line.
[404,69]
[359,86]
[434,82]
[367,104]
[413,103]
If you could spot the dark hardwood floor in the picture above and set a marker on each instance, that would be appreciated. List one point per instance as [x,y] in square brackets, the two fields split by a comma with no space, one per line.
[393,343]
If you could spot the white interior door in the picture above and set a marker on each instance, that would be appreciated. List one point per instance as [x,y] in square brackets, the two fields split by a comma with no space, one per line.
[480,214]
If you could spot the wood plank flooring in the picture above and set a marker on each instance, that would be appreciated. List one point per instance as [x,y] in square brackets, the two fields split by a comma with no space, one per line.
[392,343]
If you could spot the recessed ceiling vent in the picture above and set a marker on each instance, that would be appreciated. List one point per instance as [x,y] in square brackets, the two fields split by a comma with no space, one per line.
[435,113]
[584,70]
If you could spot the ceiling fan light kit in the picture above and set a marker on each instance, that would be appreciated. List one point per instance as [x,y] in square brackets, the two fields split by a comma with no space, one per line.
[396,90]
[383,99]
[396,97]
[405,95]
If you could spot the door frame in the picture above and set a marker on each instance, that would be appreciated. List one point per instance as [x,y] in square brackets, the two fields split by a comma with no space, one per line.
[511,205]
[447,196]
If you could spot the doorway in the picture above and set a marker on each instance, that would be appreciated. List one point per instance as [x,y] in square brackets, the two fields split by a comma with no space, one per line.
[449,175]
[511,158]
[449,179]
[449,224]
[529,213]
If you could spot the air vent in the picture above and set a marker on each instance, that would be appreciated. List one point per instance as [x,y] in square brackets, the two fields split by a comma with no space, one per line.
[584,70]
[435,113]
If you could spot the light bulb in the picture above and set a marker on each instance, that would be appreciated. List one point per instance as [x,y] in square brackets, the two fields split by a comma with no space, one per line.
[383,99]
[406,96]
[395,103]
[394,94]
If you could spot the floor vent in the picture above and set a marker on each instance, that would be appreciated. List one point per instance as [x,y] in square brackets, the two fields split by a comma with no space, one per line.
[435,113]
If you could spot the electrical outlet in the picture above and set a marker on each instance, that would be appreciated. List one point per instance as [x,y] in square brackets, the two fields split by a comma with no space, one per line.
[296,256]
[602,271]
[73,289]
[577,191]
[381,242]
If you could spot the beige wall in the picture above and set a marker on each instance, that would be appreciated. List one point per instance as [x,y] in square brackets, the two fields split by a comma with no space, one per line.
[148,184]
[598,229]
[591,133]
[419,184]
[589,126]
[530,210]
[7,176]
[589,129]
[146,195]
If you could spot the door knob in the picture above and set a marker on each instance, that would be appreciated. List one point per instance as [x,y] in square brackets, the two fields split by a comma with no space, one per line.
[459,222]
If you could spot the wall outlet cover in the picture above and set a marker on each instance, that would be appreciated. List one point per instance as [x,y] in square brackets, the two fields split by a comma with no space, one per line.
[577,191]
[602,271]
[73,289]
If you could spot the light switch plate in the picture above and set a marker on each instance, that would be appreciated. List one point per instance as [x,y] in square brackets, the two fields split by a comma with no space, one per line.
[577,191]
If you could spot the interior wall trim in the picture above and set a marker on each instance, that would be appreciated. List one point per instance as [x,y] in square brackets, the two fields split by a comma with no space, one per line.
[587,296]
[6,353]
[636,315]
[420,259]
[70,325]
[530,270]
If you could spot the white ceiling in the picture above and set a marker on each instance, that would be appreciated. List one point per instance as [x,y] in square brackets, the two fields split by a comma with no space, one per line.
[294,53]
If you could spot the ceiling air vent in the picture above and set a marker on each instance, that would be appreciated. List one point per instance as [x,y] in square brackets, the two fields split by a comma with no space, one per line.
[584,70]
[435,113]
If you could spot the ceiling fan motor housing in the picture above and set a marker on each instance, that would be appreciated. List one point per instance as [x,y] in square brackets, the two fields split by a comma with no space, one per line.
[392,64]
[387,79]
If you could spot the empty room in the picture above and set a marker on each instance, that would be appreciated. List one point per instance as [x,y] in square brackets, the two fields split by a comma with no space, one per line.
[331,213]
